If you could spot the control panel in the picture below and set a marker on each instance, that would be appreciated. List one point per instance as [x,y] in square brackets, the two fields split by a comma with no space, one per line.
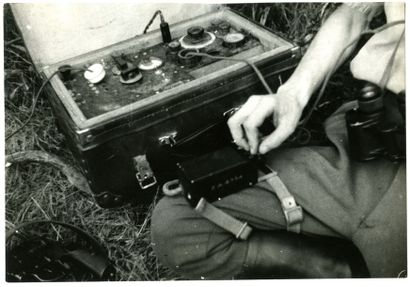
[124,77]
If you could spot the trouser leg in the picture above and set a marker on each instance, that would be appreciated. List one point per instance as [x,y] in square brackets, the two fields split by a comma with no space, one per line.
[191,245]
[283,254]
[194,247]
[340,198]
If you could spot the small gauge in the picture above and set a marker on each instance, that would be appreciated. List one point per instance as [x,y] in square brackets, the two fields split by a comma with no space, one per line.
[234,40]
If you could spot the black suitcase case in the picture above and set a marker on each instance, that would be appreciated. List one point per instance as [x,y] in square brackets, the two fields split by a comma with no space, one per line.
[110,126]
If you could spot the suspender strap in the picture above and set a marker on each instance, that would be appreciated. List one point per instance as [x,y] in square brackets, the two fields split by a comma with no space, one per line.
[293,212]
[240,229]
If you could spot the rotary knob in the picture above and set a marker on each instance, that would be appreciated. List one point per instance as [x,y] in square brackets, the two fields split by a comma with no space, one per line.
[224,27]
[196,32]
[234,40]
[174,46]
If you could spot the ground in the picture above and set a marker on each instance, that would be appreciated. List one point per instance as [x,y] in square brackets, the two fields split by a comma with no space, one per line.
[40,191]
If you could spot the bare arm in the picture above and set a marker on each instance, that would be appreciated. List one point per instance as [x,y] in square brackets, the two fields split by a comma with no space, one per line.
[343,26]
[286,106]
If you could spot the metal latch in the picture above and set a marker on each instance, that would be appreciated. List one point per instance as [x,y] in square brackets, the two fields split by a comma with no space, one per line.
[168,139]
[145,175]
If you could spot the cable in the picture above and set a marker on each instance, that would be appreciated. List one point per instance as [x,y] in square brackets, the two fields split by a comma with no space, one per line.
[15,230]
[302,123]
[36,99]
[258,73]
[158,12]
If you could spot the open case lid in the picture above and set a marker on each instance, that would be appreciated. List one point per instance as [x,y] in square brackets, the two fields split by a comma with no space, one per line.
[78,38]
[54,32]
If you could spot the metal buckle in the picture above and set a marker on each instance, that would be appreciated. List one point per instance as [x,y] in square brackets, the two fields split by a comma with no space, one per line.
[145,176]
[293,215]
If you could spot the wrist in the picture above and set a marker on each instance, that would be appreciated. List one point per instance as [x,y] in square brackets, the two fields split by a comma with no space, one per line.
[301,93]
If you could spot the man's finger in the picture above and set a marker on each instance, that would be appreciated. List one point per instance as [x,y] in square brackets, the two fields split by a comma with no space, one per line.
[255,120]
[235,122]
[275,139]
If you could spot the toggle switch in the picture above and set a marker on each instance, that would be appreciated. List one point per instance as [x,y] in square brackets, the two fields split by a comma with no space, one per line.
[129,73]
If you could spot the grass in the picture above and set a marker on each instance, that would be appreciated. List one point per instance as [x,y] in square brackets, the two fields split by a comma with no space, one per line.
[37,191]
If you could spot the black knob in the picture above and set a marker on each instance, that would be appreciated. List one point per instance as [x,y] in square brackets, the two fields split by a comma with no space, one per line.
[174,46]
[224,27]
[65,72]
[196,32]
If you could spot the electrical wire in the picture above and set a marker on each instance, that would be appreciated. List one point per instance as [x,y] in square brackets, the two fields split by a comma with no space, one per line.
[36,99]
[302,123]
[252,65]
[158,12]
[16,230]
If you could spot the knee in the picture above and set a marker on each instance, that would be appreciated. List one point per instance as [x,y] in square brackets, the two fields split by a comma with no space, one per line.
[191,245]
[179,235]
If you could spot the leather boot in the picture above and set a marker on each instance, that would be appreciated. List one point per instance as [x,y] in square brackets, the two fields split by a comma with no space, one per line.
[284,254]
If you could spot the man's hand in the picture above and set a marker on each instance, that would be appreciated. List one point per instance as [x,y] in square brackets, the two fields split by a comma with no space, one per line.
[284,108]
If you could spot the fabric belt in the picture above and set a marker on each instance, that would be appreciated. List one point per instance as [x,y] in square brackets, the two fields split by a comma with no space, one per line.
[293,212]
[241,230]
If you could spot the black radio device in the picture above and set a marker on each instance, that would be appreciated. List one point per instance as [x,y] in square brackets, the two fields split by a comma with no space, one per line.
[216,174]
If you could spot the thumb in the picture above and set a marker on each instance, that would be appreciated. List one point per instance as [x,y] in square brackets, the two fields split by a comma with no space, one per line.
[275,139]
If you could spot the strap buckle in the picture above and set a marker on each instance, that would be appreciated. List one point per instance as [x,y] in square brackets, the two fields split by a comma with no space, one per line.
[293,212]
[240,229]
[145,176]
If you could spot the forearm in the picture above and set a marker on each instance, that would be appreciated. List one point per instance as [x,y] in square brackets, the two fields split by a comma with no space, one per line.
[325,52]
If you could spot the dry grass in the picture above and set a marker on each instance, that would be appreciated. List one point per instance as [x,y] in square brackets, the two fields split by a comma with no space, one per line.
[35,191]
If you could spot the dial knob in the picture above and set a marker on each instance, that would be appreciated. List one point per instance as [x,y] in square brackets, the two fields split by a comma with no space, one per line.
[174,46]
[196,32]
